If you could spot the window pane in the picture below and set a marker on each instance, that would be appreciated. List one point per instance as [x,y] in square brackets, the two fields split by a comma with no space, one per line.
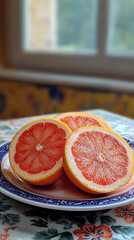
[121,27]
[62,25]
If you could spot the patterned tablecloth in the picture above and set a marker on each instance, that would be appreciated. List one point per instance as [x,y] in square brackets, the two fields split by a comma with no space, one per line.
[22,221]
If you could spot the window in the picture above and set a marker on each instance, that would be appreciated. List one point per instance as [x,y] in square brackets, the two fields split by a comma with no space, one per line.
[121,27]
[64,26]
[85,37]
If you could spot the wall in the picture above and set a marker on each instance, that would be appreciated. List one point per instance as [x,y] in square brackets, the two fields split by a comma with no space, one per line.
[27,99]
[1,37]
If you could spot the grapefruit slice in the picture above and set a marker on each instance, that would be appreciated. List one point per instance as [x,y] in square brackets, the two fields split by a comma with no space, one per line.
[36,151]
[98,160]
[76,120]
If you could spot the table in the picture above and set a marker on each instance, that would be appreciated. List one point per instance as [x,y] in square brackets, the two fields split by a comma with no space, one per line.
[23,221]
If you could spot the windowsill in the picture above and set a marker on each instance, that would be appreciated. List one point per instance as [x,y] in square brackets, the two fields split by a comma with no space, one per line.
[67,80]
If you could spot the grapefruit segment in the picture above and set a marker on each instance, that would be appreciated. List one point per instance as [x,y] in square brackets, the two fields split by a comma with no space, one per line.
[75,120]
[36,151]
[98,160]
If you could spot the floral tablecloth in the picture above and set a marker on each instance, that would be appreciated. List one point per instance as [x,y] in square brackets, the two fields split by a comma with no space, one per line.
[21,221]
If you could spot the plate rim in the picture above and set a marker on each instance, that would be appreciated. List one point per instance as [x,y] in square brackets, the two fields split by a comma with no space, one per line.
[14,192]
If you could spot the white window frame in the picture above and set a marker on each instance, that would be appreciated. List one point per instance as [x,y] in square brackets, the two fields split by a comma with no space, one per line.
[99,64]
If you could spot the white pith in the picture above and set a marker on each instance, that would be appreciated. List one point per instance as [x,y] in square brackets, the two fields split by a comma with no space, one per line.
[39,147]
[78,174]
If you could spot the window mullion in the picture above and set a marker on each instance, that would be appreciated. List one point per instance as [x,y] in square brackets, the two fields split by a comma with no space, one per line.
[102,27]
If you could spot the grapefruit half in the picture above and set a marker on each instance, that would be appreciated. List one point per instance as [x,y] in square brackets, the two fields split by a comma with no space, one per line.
[36,151]
[98,160]
[76,120]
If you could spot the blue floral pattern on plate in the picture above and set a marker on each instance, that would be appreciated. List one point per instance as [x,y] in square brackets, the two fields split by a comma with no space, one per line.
[75,205]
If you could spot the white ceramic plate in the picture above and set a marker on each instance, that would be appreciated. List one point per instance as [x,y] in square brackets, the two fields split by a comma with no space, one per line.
[62,195]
